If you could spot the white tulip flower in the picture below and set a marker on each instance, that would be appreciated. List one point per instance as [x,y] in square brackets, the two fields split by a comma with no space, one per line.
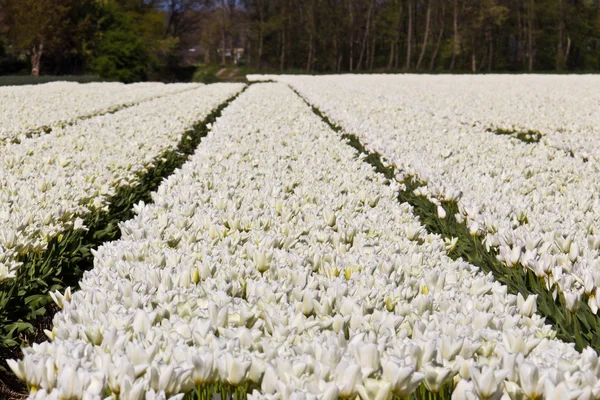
[435,377]
[373,389]
[527,307]
[203,371]
[404,379]
[348,377]
[488,382]
[236,369]
[70,385]
[530,382]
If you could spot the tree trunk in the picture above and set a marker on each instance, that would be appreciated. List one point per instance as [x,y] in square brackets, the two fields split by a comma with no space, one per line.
[426,36]
[530,34]
[561,37]
[439,40]
[283,46]
[391,59]
[351,55]
[521,37]
[223,58]
[249,38]
[230,47]
[171,21]
[207,56]
[491,48]
[336,52]
[36,58]
[455,40]
[372,59]
[310,53]
[310,24]
[410,32]
[365,37]
[261,34]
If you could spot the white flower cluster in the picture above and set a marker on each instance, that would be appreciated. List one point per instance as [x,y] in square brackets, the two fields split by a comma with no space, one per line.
[49,183]
[277,258]
[26,109]
[564,109]
[537,205]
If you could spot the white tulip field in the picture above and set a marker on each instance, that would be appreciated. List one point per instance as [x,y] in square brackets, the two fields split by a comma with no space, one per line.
[369,237]
[29,110]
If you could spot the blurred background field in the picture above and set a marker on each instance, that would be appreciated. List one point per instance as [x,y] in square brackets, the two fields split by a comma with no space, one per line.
[15,80]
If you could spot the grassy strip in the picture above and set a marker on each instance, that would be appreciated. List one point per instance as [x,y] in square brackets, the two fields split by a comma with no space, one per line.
[579,327]
[529,136]
[25,300]
[222,390]
[228,392]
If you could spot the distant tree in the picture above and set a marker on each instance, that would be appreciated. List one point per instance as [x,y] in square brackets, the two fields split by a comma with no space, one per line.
[59,31]
[133,39]
[36,27]
[182,15]
[123,57]
[125,37]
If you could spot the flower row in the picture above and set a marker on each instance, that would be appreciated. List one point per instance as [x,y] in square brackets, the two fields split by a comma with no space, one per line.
[28,109]
[535,205]
[49,183]
[279,262]
[563,109]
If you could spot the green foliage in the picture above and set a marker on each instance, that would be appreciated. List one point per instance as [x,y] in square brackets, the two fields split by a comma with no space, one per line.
[206,74]
[224,391]
[229,392]
[122,56]
[217,73]
[121,50]
[59,30]
[528,136]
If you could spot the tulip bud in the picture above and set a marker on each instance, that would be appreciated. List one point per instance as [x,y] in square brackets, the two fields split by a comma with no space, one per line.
[441,212]
[195,275]
[527,307]
[574,252]
[69,384]
[330,218]
[262,261]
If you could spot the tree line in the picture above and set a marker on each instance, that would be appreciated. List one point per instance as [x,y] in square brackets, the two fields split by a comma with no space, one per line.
[136,39]
[425,35]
